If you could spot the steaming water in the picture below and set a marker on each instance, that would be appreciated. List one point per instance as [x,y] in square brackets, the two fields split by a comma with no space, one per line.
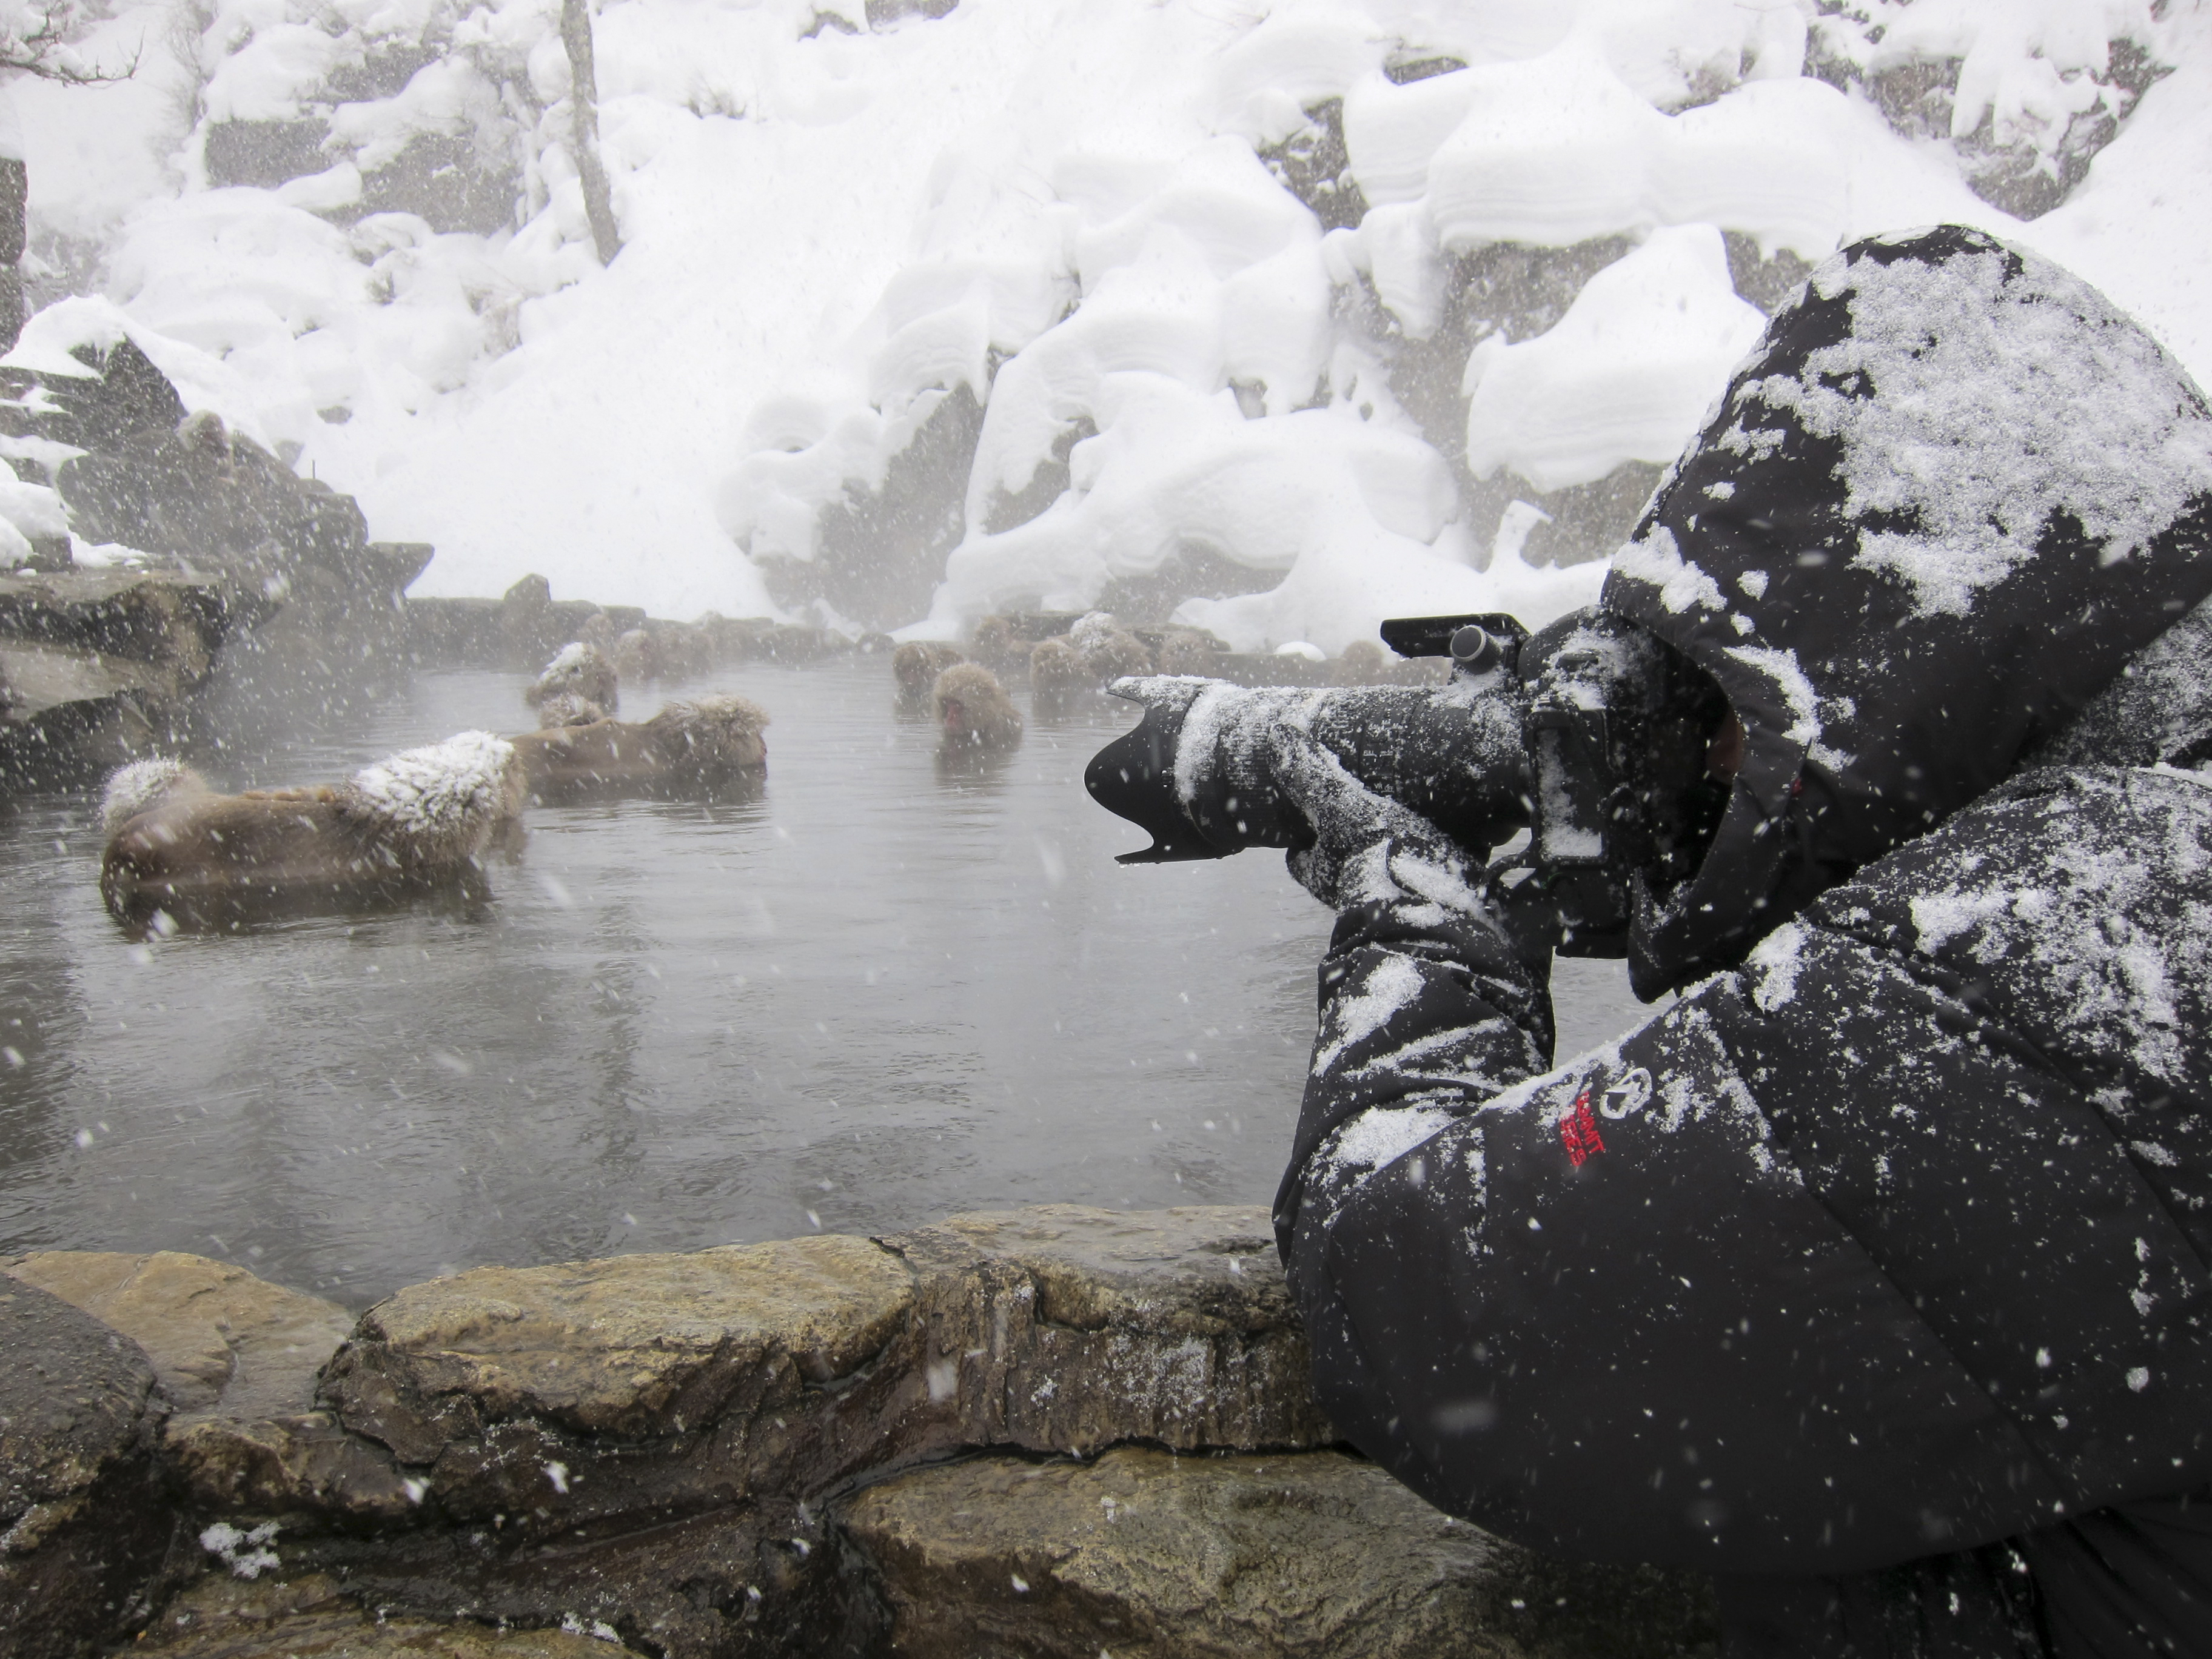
[874,995]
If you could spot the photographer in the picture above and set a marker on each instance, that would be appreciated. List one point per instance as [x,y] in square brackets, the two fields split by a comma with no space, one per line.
[1871,1276]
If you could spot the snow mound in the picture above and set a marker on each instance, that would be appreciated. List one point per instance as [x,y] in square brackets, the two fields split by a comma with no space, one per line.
[1626,374]
[26,510]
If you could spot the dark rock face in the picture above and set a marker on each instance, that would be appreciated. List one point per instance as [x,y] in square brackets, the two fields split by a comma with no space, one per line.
[455,181]
[2016,172]
[264,154]
[97,662]
[881,552]
[14,224]
[214,498]
[1518,293]
[120,395]
[1314,166]
[448,182]
[84,1530]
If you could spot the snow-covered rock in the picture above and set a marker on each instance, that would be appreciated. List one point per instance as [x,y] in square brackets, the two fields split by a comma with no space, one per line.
[922,315]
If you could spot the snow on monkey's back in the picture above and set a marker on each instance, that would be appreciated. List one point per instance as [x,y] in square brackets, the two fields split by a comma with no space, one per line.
[132,789]
[439,803]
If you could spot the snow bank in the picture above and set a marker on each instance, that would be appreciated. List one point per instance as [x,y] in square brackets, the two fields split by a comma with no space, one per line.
[1080,213]
[1626,374]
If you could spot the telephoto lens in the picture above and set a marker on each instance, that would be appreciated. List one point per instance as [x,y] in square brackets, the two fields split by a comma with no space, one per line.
[1197,772]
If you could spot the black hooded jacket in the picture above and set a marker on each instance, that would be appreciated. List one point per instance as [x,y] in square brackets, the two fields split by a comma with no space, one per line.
[1876,1273]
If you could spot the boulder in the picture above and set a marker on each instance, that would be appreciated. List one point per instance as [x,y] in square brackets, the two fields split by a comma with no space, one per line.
[222,1342]
[96,663]
[635,1348]
[310,1618]
[1145,1555]
[1062,1329]
[719,1375]
[214,498]
[238,1358]
[84,1531]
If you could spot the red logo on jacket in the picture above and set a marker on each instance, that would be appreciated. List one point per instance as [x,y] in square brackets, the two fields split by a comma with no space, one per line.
[1579,1132]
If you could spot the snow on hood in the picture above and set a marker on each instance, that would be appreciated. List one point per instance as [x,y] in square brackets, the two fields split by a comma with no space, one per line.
[1936,511]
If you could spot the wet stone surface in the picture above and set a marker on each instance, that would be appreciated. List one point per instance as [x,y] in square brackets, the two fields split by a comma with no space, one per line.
[1146,1555]
[749,1450]
[84,1530]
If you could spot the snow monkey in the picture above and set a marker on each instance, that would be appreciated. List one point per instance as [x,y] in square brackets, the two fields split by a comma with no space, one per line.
[579,670]
[1056,668]
[421,818]
[974,711]
[687,745]
[1110,650]
[567,708]
[997,643]
[1190,651]
[915,667]
[637,656]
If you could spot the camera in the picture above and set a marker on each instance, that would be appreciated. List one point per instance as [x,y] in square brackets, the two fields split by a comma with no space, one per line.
[1569,761]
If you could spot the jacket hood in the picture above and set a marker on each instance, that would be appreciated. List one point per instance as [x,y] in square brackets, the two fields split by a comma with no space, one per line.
[1948,495]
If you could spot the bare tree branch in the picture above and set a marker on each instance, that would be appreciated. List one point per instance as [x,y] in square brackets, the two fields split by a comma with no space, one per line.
[35,40]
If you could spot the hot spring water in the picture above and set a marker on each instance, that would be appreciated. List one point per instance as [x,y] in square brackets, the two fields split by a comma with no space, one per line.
[870,995]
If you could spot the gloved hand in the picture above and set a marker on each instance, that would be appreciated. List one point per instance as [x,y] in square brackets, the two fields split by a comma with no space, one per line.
[1367,848]
[1382,793]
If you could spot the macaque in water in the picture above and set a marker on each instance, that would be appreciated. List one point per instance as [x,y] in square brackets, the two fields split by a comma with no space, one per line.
[1190,651]
[577,670]
[567,708]
[422,817]
[687,745]
[974,713]
[997,643]
[1114,654]
[637,656]
[914,668]
[1057,668]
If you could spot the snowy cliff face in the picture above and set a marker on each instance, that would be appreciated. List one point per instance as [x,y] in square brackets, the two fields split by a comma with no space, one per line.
[1279,319]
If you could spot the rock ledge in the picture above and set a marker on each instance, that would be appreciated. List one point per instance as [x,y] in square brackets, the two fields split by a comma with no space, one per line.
[1035,1432]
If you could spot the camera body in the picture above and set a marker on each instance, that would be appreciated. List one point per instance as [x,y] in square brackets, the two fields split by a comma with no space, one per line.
[1589,735]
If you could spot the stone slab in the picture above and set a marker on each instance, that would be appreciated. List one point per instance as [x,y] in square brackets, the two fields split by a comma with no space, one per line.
[39,677]
[1316,1555]
[1061,1328]
[221,1340]
[310,1618]
[152,616]
[633,1347]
